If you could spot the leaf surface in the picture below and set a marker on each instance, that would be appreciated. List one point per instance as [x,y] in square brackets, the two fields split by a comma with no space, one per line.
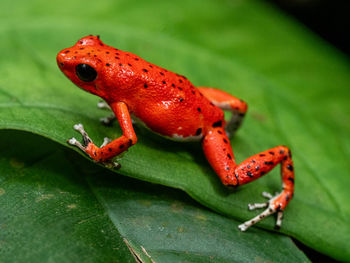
[55,206]
[295,85]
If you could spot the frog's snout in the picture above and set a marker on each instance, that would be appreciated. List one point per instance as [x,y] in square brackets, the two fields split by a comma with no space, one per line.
[61,58]
[65,62]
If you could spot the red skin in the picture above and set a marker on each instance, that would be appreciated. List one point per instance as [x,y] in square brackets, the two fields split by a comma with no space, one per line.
[171,106]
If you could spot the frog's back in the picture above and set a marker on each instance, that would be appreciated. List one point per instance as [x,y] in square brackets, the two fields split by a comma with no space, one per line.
[166,102]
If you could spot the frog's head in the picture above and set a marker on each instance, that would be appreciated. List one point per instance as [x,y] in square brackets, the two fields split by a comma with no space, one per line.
[84,64]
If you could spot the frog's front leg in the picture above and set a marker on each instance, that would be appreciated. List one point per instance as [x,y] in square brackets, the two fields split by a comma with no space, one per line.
[108,150]
[219,153]
[226,101]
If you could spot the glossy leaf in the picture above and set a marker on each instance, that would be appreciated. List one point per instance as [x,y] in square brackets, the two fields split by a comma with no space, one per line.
[48,213]
[295,84]
[55,206]
[172,228]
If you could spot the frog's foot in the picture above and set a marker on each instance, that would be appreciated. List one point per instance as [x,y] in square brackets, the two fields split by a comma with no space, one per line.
[106,141]
[271,209]
[111,164]
[80,128]
[103,105]
[87,140]
[108,121]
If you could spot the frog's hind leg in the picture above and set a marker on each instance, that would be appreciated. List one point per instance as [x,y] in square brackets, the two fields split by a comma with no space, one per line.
[218,151]
[226,101]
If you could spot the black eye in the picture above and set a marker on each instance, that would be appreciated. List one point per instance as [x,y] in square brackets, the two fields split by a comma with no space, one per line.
[85,72]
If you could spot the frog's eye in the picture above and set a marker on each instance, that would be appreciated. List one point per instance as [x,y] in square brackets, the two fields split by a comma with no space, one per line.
[85,72]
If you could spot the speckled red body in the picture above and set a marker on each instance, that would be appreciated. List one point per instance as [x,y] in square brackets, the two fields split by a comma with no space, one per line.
[170,105]
[166,102]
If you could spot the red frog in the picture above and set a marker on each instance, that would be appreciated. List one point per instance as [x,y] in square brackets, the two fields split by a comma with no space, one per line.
[170,105]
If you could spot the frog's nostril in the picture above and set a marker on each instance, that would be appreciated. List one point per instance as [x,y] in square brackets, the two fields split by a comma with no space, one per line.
[61,56]
[60,60]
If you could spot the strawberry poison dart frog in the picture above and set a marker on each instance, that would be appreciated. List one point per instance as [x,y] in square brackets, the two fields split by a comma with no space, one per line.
[170,105]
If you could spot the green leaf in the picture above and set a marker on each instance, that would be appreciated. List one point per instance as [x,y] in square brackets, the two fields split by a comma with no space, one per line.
[295,84]
[182,231]
[58,207]
[47,210]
